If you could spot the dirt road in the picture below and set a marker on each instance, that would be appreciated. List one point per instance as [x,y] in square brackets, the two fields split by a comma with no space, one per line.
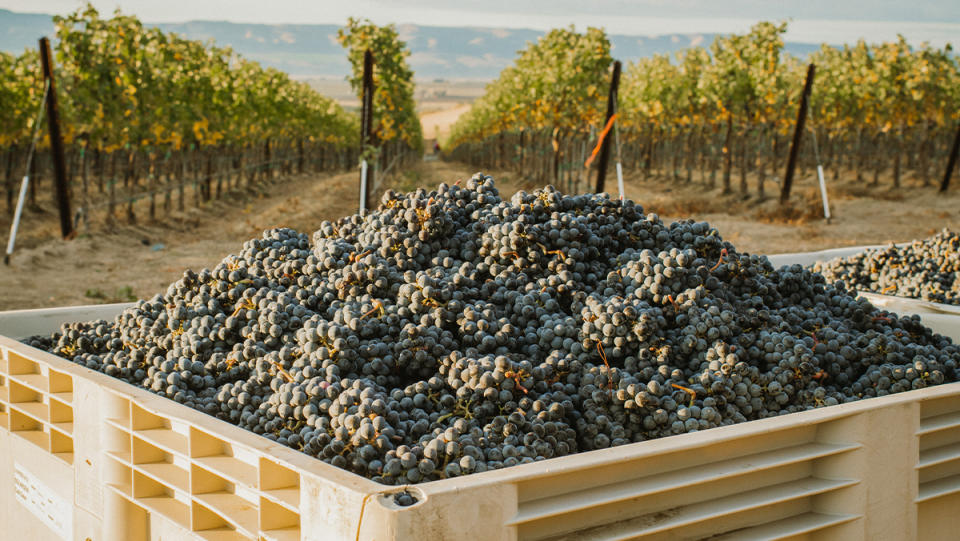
[436,124]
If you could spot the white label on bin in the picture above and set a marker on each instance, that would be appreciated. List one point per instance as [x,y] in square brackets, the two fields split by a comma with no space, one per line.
[43,502]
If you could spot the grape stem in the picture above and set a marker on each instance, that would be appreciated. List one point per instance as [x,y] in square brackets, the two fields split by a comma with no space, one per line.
[377,305]
[603,356]
[691,392]
[723,254]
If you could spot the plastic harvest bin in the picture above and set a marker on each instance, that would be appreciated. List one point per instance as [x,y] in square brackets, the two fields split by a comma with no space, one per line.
[84,456]
[902,305]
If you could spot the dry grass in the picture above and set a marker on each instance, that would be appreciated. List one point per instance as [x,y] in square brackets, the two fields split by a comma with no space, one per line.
[686,207]
[803,208]
[882,193]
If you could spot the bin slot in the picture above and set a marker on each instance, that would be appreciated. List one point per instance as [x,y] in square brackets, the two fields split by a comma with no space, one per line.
[939,455]
[937,410]
[117,410]
[121,456]
[283,534]
[19,365]
[61,384]
[61,446]
[221,496]
[222,534]
[940,438]
[755,504]
[288,497]
[116,423]
[20,421]
[118,475]
[230,468]
[36,410]
[29,429]
[280,483]
[789,527]
[61,416]
[160,498]
[223,458]
[116,443]
[233,508]
[939,422]
[166,439]
[167,506]
[167,473]
[66,397]
[64,428]
[4,389]
[20,393]
[209,524]
[278,519]
[158,430]
[36,382]
[682,478]
[37,437]
[143,419]
[938,488]
[161,465]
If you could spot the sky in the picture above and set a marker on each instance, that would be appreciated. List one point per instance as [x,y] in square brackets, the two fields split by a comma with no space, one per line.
[811,21]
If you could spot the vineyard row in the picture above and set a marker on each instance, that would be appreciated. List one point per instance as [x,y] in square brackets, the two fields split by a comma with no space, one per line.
[685,155]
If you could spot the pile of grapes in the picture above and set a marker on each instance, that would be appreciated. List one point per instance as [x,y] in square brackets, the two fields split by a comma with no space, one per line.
[925,269]
[451,332]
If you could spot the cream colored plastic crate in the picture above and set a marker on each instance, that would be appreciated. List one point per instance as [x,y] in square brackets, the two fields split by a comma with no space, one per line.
[85,456]
[809,258]
[900,305]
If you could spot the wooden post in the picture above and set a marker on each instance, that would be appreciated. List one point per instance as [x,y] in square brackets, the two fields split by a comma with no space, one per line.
[267,166]
[56,142]
[523,162]
[611,109]
[208,178]
[9,177]
[797,135]
[366,129]
[951,161]
[300,156]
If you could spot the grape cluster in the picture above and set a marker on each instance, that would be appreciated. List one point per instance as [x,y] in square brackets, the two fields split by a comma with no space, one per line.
[926,269]
[452,332]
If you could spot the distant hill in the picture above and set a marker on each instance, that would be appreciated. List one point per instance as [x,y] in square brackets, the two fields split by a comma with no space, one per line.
[452,53]
[21,30]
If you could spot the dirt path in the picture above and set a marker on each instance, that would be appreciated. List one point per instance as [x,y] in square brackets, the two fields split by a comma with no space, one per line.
[139,261]
[111,265]
[880,217]
[436,124]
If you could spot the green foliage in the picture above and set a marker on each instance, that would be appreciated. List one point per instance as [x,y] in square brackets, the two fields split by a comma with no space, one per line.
[744,79]
[559,82]
[122,85]
[394,108]
[748,79]
[21,89]
[881,86]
